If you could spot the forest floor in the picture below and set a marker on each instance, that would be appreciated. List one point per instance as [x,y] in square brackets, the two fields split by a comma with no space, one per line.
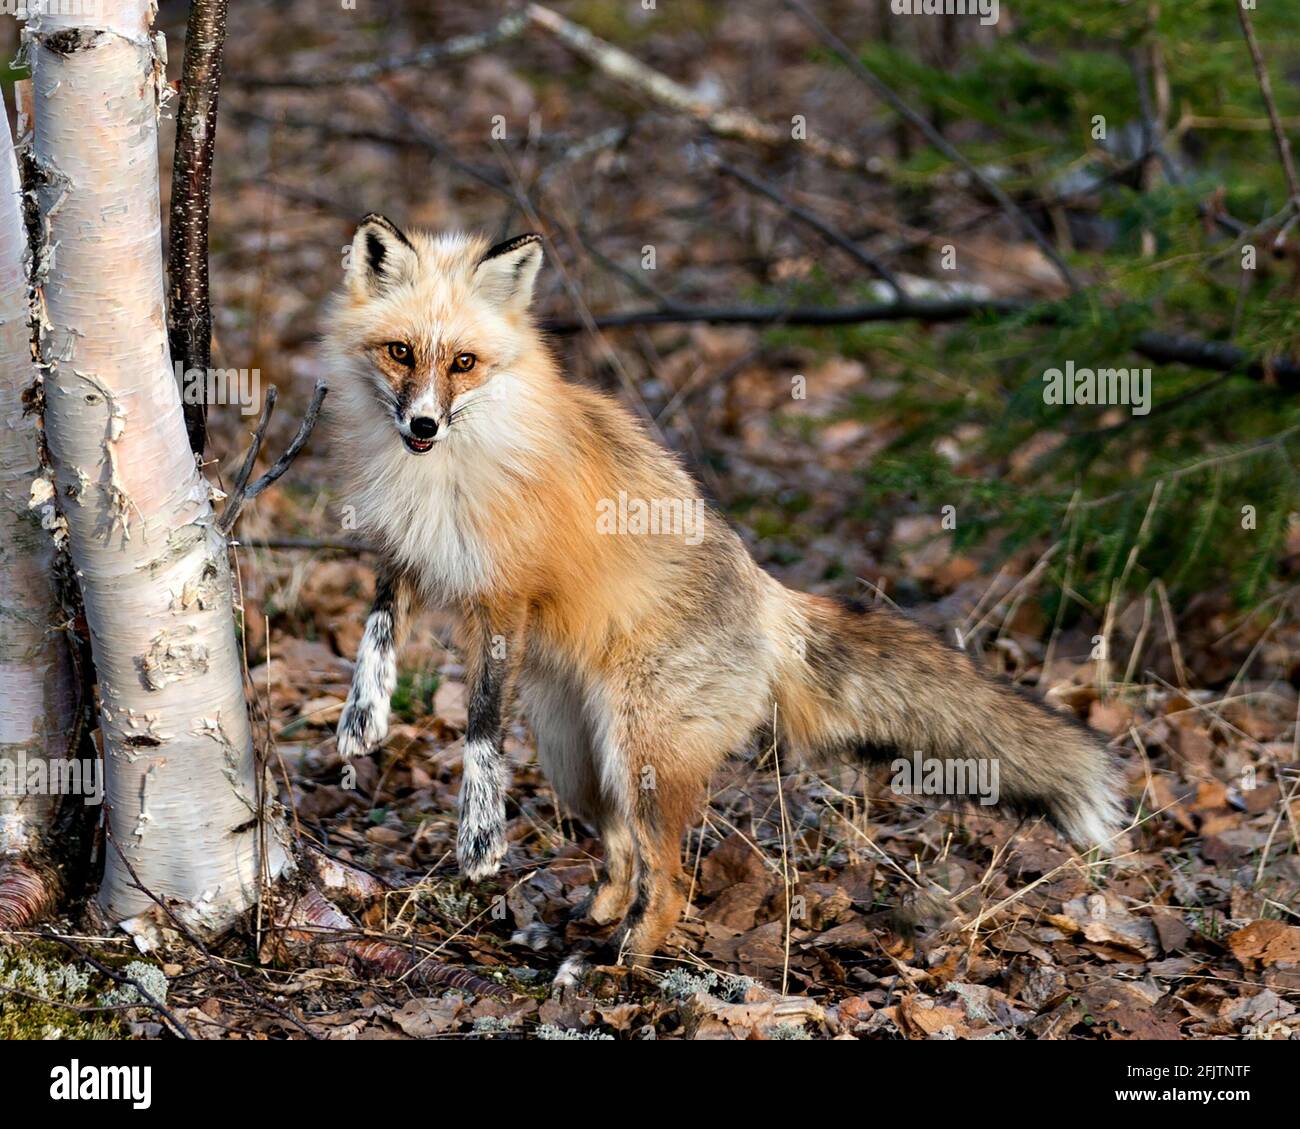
[821,904]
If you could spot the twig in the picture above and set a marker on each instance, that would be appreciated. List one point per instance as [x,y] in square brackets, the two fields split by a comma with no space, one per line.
[259,436]
[935,138]
[311,544]
[1067,583]
[837,238]
[1266,92]
[121,978]
[459,47]
[1281,220]
[1023,584]
[1175,651]
[612,137]
[189,308]
[785,848]
[244,493]
[1284,812]
[525,205]
[1135,652]
[1217,356]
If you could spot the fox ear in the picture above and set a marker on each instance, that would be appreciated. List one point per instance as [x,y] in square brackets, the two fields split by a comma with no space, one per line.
[380,257]
[506,273]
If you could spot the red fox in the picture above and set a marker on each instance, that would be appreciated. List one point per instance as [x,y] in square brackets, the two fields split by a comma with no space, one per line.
[595,589]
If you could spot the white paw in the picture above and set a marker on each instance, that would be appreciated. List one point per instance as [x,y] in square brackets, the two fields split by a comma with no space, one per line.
[363,725]
[481,837]
[570,974]
[536,935]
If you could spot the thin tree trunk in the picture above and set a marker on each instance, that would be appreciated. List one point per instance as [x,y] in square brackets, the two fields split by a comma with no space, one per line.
[182,779]
[190,306]
[38,684]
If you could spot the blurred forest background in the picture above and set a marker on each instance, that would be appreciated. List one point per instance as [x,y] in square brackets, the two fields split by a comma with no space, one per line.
[830,271]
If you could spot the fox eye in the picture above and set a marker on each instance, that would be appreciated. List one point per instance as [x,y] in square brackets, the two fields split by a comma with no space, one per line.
[400,351]
[463,362]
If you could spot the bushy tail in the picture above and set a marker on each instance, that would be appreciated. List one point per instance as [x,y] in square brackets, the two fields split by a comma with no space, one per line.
[870,682]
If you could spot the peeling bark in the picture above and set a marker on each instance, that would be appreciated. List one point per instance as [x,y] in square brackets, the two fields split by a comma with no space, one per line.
[181,773]
[27,893]
[39,697]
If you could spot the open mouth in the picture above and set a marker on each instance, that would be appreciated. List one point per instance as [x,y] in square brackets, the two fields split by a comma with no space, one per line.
[417,446]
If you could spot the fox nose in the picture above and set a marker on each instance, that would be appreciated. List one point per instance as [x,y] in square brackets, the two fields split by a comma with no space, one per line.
[422,427]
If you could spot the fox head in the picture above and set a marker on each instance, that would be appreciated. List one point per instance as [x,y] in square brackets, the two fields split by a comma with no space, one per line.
[430,333]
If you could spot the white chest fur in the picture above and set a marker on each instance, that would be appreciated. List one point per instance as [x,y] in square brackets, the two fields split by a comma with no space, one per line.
[425,507]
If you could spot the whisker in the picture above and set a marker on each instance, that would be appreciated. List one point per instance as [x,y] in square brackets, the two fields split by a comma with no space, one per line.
[461,413]
[385,397]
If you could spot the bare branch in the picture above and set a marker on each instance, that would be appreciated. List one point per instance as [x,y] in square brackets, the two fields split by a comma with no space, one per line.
[1215,356]
[255,447]
[311,544]
[1266,92]
[928,310]
[884,91]
[189,308]
[243,493]
[839,239]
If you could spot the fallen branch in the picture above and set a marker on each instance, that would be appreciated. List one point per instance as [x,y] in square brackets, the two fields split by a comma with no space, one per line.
[729,122]
[189,306]
[243,492]
[1215,356]
[928,310]
[327,934]
[460,47]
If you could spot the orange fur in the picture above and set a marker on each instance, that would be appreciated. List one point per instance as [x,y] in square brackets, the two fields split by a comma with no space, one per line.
[641,657]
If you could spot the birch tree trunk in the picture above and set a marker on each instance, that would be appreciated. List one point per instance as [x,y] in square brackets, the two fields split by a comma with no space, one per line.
[38,686]
[181,776]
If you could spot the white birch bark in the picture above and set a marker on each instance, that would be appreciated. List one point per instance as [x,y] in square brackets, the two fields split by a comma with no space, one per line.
[154,571]
[38,689]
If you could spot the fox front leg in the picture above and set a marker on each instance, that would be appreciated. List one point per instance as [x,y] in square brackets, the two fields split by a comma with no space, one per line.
[493,653]
[363,725]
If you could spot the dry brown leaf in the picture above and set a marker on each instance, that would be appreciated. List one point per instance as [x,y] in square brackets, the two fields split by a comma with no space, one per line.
[422,1018]
[1262,943]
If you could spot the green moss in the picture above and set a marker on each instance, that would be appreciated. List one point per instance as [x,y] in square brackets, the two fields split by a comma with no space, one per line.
[41,992]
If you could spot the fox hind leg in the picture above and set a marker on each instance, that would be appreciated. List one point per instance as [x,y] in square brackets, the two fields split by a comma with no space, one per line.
[613,894]
[660,890]
[667,796]
[557,712]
